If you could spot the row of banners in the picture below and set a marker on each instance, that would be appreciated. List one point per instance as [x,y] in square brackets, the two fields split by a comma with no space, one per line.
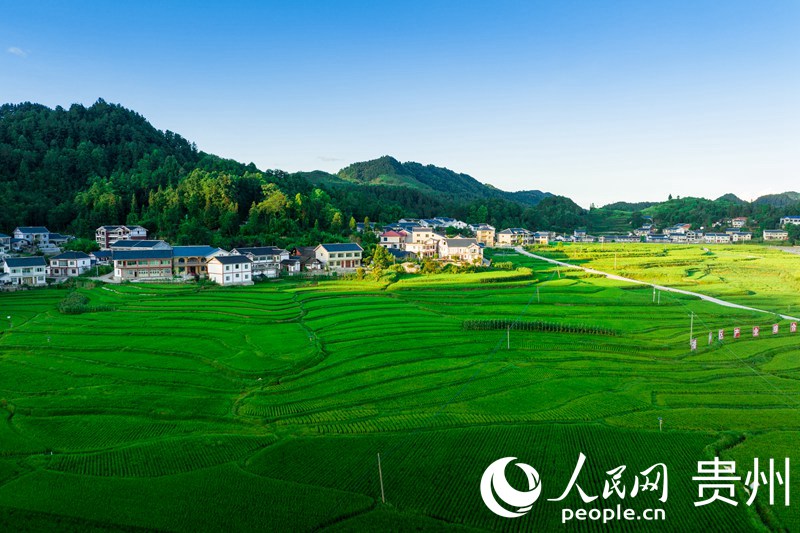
[737,332]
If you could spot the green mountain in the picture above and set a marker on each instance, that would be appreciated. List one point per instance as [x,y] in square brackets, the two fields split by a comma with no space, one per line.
[388,171]
[77,168]
[785,199]
[731,198]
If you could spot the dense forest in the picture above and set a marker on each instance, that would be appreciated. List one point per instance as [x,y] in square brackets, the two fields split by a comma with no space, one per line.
[78,168]
[75,169]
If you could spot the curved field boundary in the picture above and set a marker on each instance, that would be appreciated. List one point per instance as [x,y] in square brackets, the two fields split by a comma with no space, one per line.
[707,298]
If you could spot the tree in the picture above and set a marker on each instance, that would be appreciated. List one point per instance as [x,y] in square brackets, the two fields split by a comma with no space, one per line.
[337,221]
[353,224]
[82,245]
[381,258]
[794,233]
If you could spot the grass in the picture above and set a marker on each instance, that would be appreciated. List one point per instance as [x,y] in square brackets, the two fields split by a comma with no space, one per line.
[193,408]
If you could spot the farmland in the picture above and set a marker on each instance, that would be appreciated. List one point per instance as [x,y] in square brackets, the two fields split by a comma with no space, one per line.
[263,408]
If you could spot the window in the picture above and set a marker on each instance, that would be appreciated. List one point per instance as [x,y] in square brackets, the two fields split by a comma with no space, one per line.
[227,278]
[227,268]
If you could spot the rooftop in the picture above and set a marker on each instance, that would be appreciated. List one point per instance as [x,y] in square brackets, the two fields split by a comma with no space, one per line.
[16,262]
[232,259]
[342,247]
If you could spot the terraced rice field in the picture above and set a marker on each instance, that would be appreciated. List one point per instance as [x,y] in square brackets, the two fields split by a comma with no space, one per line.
[263,408]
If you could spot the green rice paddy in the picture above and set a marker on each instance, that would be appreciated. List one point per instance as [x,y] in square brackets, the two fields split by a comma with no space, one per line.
[189,408]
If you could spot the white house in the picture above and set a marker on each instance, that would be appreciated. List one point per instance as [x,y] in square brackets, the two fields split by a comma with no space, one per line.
[393,239]
[776,235]
[266,259]
[423,242]
[339,255]
[34,235]
[467,250]
[25,270]
[739,222]
[717,238]
[515,236]
[229,270]
[108,235]
[69,264]
[740,236]
[5,242]
[790,220]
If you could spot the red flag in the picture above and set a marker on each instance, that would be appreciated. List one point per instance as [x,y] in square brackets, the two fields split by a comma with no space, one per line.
[756,329]
[737,332]
[774,329]
[721,335]
[793,327]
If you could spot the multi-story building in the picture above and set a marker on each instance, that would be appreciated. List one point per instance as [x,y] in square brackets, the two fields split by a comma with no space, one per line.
[228,270]
[143,264]
[192,261]
[790,220]
[484,233]
[339,255]
[776,235]
[717,238]
[33,235]
[266,259]
[467,250]
[25,270]
[515,236]
[69,264]
[393,239]
[108,235]
[740,236]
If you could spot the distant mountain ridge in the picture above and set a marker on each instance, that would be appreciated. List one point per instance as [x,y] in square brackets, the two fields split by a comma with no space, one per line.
[388,171]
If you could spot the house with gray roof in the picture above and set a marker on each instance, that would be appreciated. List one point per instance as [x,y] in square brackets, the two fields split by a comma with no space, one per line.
[146,264]
[30,271]
[339,256]
[69,265]
[192,261]
[227,270]
[461,249]
[266,259]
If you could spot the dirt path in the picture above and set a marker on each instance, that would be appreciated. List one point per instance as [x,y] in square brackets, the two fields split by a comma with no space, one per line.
[707,298]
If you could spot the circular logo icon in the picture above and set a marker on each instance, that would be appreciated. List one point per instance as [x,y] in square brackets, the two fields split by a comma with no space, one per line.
[494,482]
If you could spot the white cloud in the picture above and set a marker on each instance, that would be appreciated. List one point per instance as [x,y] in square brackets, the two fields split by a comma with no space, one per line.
[17,51]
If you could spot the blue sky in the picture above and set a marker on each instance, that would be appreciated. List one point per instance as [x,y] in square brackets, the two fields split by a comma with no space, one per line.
[596,100]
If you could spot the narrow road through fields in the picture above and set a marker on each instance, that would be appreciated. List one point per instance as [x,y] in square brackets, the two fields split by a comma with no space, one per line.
[521,250]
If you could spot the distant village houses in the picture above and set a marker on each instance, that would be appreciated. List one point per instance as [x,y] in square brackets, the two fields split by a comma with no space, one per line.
[776,235]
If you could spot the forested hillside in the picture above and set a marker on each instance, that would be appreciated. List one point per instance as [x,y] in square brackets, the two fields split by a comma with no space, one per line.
[75,169]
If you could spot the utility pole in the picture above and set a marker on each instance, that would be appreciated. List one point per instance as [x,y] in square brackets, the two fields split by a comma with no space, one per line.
[538,300]
[508,338]
[380,475]
[691,326]
[654,295]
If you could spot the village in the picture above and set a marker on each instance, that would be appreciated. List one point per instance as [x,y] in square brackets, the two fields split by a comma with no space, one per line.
[34,255]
